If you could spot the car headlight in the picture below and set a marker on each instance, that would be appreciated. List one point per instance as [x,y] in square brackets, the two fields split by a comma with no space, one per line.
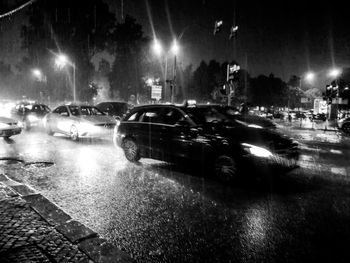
[4,126]
[255,126]
[32,118]
[256,151]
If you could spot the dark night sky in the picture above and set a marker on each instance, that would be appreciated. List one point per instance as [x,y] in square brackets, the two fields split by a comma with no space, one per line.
[282,37]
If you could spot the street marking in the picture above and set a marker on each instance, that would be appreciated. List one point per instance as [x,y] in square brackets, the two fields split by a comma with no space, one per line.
[341,171]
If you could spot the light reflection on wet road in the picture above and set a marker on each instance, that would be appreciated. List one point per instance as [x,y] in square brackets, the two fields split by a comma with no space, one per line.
[160,213]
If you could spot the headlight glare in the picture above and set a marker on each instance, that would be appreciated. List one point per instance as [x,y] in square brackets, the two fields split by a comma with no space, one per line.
[32,118]
[256,151]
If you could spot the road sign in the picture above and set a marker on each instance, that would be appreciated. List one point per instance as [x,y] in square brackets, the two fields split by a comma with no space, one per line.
[156,92]
[305,100]
[232,69]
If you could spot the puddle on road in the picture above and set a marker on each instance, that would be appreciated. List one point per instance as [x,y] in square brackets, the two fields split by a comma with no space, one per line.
[38,164]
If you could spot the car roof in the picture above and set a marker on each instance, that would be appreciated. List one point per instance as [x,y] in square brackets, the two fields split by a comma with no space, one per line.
[112,102]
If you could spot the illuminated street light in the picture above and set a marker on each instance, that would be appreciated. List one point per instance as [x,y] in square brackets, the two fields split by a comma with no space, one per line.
[334,73]
[37,73]
[61,61]
[157,47]
[175,48]
[310,76]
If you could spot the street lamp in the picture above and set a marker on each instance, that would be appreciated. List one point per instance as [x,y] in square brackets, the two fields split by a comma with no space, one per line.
[335,72]
[61,61]
[37,73]
[158,49]
[310,76]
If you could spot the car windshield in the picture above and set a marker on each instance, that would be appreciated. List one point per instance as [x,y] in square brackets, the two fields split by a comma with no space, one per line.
[40,108]
[85,110]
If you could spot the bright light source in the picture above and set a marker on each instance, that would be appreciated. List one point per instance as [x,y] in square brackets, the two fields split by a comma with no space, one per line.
[334,73]
[175,48]
[310,76]
[157,47]
[37,73]
[149,82]
[61,61]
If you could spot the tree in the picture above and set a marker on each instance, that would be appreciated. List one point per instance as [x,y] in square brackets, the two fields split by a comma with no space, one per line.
[129,48]
[76,28]
[268,91]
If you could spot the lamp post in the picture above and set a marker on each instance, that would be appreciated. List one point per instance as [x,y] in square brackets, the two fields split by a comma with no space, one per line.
[174,49]
[61,61]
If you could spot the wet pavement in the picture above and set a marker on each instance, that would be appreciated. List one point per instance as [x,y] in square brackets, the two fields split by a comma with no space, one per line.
[160,213]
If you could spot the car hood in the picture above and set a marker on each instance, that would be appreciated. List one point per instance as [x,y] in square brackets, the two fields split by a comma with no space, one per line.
[7,120]
[98,119]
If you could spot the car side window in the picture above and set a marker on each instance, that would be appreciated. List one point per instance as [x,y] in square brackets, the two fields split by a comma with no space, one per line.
[61,111]
[172,116]
[152,116]
[133,117]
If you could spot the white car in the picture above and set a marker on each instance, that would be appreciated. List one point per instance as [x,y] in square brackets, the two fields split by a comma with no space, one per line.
[78,121]
[9,127]
[344,124]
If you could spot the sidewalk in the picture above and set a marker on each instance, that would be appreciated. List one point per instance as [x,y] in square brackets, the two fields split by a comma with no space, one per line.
[33,229]
[306,124]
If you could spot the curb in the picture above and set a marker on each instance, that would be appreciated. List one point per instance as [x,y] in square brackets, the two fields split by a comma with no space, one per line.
[88,241]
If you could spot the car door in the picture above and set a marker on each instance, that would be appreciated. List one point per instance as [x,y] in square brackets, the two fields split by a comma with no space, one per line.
[59,120]
[180,138]
[150,134]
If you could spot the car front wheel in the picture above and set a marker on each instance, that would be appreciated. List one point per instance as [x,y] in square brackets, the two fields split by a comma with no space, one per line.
[131,150]
[225,168]
[346,127]
[74,134]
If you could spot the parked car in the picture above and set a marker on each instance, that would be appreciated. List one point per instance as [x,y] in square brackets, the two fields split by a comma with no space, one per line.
[114,108]
[344,124]
[319,117]
[9,127]
[78,121]
[30,114]
[203,135]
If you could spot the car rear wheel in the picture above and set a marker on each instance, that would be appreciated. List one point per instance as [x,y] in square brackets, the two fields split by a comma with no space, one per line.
[131,150]
[346,127]
[225,168]
[74,134]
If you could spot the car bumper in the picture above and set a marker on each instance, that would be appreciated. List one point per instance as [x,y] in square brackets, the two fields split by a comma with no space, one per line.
[10,132]
[97,132]
[275,163]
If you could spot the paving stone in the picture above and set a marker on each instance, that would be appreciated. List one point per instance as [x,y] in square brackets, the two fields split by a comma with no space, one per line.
[48,210]
[75,231]
[23,189]
[102,251]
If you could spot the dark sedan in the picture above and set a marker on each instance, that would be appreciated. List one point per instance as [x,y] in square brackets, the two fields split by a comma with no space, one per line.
[116,109]
[204,135]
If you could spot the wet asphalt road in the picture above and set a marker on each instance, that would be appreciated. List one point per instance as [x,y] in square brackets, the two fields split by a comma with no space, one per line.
[160,213]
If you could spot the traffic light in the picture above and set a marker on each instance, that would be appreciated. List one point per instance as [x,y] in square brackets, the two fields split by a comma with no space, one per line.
[328,91]
[225,90]
[232,70]
[233,31]
[217,26]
